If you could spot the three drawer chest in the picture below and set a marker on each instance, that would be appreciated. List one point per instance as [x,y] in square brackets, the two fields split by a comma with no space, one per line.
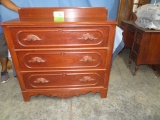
[61,57]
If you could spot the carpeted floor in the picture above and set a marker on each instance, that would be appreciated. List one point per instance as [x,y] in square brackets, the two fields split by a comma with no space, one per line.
[129,98]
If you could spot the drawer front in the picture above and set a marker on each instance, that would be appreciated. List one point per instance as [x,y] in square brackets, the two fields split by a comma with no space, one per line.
[58,37]
[63,79]
[61,59]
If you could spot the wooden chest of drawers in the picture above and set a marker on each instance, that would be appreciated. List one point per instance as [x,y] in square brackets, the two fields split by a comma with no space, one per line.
[144,44]
[145,48]
[61,58]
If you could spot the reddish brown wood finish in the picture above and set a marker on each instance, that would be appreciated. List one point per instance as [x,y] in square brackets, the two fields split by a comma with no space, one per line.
[144,44]
[61,58]
[69,13]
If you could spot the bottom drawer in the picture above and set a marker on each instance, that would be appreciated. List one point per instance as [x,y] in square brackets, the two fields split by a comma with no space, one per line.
[38,80]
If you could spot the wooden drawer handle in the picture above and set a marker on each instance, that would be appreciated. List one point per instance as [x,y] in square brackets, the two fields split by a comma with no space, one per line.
[87,59]
[41,80]
[86,79]
[32,37]
[37,60]
[87,36]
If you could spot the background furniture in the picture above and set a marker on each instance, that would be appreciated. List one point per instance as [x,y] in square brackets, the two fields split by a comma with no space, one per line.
[144,44]
[61,58]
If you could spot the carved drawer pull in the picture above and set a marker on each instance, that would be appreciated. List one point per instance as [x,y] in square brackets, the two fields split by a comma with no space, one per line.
[87,36]
[32,38]
[37,59]
[87,59]
[87,79]
[41,80]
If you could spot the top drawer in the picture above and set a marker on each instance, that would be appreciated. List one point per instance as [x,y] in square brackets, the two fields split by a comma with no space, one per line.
[31,37]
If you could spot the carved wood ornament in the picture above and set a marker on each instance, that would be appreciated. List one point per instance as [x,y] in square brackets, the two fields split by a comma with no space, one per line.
[87,36]
[32,37]
[36,60]
[41,80]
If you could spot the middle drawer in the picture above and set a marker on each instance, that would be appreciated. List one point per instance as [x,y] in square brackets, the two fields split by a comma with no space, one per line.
[53,59]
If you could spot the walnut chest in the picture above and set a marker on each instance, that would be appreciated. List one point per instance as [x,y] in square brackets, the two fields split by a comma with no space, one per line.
[61,58]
